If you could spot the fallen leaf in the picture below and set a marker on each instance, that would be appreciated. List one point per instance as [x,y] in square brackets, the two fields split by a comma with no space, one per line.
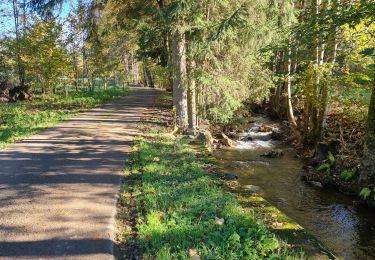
[161,216]
[193,253]
[156,159]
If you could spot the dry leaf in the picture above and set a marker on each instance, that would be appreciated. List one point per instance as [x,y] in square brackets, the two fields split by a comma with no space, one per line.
[156,159]
[193,253]
[161,216]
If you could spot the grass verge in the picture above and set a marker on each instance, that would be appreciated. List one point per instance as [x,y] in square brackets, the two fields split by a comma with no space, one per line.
[21,119]
[175,209]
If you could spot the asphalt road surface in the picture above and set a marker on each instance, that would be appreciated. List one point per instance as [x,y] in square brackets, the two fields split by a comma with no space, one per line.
[58,189]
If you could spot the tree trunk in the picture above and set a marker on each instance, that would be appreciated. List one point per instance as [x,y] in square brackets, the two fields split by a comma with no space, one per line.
[135,71]
[20,65]
[191,100]
[66,88]
[179,80]
[280,86]
[289,106]
[105,83]
[325,90]
[309,100]
[367,176]
[148,77]
[145,75]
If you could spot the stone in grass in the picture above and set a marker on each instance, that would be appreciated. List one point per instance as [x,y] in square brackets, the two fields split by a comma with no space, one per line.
[219,221]
[277,224]
[252,188]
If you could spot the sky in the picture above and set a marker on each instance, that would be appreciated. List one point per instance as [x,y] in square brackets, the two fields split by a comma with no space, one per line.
[6,15]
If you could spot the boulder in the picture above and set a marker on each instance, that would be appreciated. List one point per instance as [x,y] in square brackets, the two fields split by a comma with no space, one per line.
[247,138]
[265,128]
[229,176]
[273,154]
[315,184]
[226,140]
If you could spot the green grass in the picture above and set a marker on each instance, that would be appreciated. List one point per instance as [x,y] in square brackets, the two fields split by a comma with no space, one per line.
[21,119]
[179,204]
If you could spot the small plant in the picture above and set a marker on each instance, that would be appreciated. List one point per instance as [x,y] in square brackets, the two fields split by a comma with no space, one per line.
[348,175]
[331,159]
[365,193]
[324,167]
[328,164]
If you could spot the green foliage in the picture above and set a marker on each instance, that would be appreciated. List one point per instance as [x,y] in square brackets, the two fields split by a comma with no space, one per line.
[348,175]
[325,167]
[223,42]
[328,165]
[365,193]
[183,205]
[43,56]
[21,119]
[331,159]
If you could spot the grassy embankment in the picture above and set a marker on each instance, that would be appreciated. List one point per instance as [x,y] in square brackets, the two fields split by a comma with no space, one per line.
[184,212]
[174,206]
[21,119]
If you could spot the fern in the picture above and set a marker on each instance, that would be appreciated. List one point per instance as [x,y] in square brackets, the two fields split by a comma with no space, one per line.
[324,167]
[347,175]
[365,193]
[331,159]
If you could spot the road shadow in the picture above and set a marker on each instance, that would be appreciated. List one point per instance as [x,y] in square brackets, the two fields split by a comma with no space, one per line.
[58,189]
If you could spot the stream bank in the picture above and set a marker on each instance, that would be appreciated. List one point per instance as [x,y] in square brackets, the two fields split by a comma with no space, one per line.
[334,218]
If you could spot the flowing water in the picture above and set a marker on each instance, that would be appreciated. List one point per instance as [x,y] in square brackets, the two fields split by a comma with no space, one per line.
[343,226]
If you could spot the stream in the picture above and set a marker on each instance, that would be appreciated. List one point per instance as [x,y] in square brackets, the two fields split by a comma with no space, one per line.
[343,226]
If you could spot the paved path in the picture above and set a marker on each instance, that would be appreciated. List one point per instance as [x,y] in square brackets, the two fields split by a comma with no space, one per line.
[58,189]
